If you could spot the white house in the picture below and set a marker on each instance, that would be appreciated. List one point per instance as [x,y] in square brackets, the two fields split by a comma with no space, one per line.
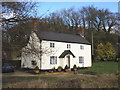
[52,49]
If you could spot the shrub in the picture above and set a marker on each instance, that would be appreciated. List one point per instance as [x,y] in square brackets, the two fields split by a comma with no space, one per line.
[74,67]
[53,69]
[117,59]
[79,68]
[59,67]
[66,67]
[36,68]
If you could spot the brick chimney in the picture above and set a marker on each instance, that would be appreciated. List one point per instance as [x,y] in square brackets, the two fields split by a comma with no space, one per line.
[35,24]
[80,31]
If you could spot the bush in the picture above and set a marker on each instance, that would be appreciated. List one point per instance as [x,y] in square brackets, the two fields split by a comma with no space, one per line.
[117,59]
[66,67]
[59,67]
[74,67]
[36,68]
[79,68]
[53,69]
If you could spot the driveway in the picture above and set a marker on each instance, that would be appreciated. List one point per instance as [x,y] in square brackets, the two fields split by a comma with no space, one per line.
[19,73]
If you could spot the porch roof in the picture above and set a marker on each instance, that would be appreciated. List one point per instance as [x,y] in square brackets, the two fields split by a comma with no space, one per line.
[65,53]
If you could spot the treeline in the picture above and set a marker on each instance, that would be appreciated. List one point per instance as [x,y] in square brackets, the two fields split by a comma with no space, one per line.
[101,22]
[87,17]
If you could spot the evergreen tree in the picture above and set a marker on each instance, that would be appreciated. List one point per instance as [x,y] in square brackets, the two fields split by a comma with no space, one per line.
[100,52]
[110,51]
[105,52]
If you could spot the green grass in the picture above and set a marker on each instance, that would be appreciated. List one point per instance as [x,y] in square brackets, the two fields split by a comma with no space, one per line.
[105,78]
[62,81]
[101,67]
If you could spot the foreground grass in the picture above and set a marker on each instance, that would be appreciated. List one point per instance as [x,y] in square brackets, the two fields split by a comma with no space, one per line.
[102,67]
[62,81]
[104,77]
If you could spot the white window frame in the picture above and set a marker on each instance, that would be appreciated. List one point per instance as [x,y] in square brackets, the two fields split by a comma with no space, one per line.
[68,46]
[53,59]
[81,59]
[81,47]
[52,45]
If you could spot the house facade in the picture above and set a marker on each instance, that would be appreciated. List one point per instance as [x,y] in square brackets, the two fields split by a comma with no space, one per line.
[49,50]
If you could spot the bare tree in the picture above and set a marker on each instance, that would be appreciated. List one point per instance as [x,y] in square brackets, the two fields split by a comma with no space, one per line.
[14,12]
[71,18]
[14,15]
[107,20]
[89,15]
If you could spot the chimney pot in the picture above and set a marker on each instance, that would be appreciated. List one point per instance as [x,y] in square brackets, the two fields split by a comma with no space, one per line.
[80,31]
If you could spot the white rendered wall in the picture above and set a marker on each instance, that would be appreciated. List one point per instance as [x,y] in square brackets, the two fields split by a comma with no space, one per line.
[59,49]
[34,42]
[56,51]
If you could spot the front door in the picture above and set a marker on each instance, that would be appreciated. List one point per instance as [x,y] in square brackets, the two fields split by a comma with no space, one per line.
[68,61]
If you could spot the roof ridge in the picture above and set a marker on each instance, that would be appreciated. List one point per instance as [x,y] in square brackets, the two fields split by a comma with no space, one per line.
[61,33]
[60,36]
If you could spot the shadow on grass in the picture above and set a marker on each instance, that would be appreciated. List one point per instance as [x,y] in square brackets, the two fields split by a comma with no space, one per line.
[89,72]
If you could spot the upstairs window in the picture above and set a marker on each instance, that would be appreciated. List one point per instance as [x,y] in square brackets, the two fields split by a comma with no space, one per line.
[81,59]
[68,46]
[52,45]
[81,47]
[53,59]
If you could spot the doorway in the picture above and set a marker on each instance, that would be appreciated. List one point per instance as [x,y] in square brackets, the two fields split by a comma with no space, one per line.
[68,61]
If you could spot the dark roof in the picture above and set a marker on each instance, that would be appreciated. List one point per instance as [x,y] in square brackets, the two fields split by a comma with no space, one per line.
[65,53]
[61,37]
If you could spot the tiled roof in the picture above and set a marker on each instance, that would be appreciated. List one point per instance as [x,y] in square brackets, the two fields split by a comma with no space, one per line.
[61,37]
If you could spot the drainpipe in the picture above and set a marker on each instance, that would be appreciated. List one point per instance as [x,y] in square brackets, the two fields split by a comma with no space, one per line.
[92,41]
[40,54]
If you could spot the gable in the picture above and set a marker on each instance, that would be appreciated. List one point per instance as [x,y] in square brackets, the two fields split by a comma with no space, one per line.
[33,41]
[65,53]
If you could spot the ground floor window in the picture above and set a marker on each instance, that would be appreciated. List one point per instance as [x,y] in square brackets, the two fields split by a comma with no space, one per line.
[53,59]
[81,59]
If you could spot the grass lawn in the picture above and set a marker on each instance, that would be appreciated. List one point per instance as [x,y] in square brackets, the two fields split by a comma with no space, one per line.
[105,77]
[101,67]
[62,81]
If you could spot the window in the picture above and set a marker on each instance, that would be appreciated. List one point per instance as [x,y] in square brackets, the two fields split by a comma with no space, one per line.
[81,59]
[52,45]
[34,62]
[81,47]
[68,46]
[53,59]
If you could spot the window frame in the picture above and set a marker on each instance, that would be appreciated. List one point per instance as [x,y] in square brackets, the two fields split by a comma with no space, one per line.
[53,59]
[68,46]
[81,47]
[52,45]
[81,59]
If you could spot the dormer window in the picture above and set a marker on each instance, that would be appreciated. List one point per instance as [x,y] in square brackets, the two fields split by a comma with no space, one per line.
[81,47]
[52,45]
[68,46]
